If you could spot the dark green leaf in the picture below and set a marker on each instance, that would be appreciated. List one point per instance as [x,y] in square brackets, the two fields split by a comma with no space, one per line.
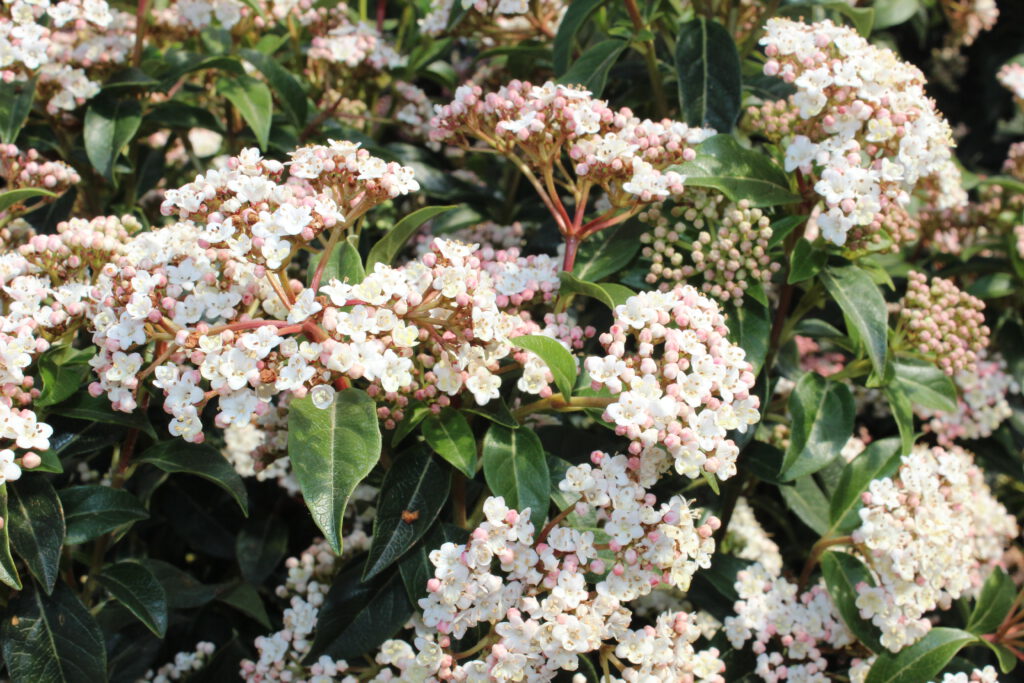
[64,371]
[345,265]
[714,589]
[52,639]
[842,573]
[110,124]
[415,413]
[21,195]
[8,572]
[708,69]
[177,456]
[413,491]
[609,251]
[750,326]
[247,600]
[183,590]
[1007,660]
[253,100]
[608,293]
[864,307]
[573,19]
[555,356]
[82,406]
[137,589]
[806,261]
[357,617]
[924,384]
[496,411]
[289,92]
[36,522]
[93,510]
[390,244]
[993,286]
[903,413]
[922,660]
[15,104]
[331,451]
[517,470]
[448,433]
[260,546]
[993,603]
[737,172]
[823,413]
[806,499]
[592,67]
[879,460]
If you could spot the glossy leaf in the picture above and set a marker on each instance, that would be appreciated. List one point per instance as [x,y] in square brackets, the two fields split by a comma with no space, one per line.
[412,494]
[806,261]
[920,661]
[358,616]
[924,384]
[808,502]
[284,84]
[823,413]
[750,326]
[993,603]
[346,265]
[177,456]
[260,546]
[16,100]
[449,434]
[22,195]
[110,124]
[708,70]
[331,451]
[516,468]
[608,293]
[738,173]
[93,510]
[64,371]
[842,573]
[52,639]
[555,356]
[608,251]
[138,589]
[253,100]
[82,406]
[592,67]
[36,522]
[387,248]
[864,308]
[183,590]
[246,599]
[879,460]
[573,20]
[8,572]
[903,413]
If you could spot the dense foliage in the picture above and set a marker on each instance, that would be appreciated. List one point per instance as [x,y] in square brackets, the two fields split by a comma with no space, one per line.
[511,340]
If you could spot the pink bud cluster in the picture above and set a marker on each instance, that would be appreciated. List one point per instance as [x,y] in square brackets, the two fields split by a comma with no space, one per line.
[868,136]
[982,404]
[943,322]
[730,249]
[683,389]
[1011,76]
[28,169]
[930,533]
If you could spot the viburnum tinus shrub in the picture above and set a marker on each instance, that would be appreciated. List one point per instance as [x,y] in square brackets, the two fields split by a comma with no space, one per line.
[511,340]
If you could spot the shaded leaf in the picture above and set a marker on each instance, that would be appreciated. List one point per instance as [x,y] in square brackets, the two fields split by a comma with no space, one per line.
[385,250]
[8,572]
[36,522]
[52,639]
[574,18]
[592,67]
[924,384]
[416,568]
[708,69]
[737,172]
[823,412]
[413,492]
[920,661]
[110,124]
[993,603]
[806,499]
[864,307]
[177,456]
[608,252]
[260,546]
[879,460]
[16,100]
[138,589]
[289,92]
[843,572]
[516,468]
[608,293]
[254,102]
[449,434]
[94,510]
[82,406]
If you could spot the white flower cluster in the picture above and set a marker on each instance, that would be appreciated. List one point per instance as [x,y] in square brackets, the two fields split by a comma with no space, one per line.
[982,404]
[351,45]
[56,40]
[195,15]
[506,16]
[1011,76]
[259,448]
[183,664]
[685,399]
[747,539]
[868,132]
[929,534]
[774,613]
